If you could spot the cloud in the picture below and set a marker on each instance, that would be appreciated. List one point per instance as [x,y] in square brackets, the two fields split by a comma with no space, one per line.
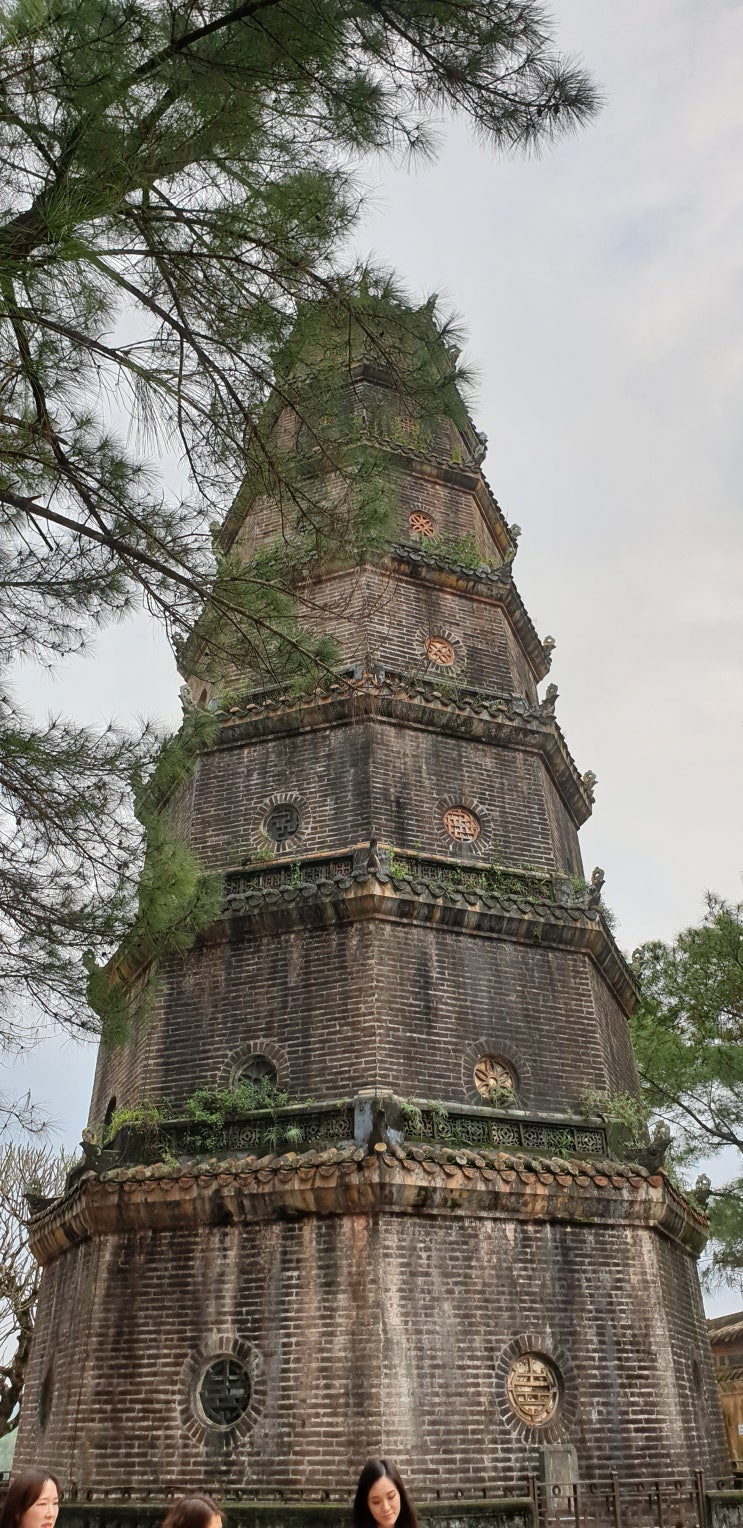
[601,287]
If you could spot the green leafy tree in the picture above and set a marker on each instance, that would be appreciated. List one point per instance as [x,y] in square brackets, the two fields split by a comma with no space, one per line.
[177,186]
[688,1039]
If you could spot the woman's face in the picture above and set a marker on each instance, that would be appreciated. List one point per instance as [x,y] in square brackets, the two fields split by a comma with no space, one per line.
[43,1512]
[384,1502]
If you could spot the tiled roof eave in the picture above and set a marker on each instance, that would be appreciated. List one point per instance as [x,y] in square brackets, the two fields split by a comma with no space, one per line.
[500,720]
[347,1179]
[369,894]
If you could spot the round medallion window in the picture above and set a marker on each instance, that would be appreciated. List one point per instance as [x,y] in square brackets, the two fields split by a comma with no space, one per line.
[224,1392]
[420,524]
[533,1389]
[440,651]
[494,1079]
[282,822]
[461,824]
[258,1068]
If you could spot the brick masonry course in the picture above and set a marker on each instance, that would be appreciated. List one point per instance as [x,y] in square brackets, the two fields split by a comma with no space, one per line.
[371,1335]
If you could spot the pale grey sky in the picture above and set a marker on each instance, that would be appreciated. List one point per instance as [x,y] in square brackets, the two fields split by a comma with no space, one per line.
[601,287]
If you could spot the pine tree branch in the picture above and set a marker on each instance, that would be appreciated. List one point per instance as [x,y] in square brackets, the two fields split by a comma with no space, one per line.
[197,34]
[718,1133]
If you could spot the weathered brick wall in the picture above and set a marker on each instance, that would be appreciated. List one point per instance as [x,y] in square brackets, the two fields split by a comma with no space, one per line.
[689,1354]
[453,510]
[366,1336]
[389,618]
[381,774]
[519,665]
[562,829]
[400,1007]
[613,1030]
[418,488]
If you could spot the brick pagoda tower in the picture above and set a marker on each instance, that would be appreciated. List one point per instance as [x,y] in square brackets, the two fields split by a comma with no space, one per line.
[433,1246]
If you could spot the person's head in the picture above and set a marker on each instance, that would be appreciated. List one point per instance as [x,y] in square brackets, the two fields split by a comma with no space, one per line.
[194,1512]
[381,1499]
[32,1501]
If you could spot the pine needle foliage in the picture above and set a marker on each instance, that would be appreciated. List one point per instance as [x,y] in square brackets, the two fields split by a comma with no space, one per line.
[190,167]
[688,1039]
[175,899]
[68,844]
[178,183]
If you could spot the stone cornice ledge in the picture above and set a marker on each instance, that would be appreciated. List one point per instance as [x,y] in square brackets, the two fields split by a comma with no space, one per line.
[366,895]
[347,1180]
[501,720]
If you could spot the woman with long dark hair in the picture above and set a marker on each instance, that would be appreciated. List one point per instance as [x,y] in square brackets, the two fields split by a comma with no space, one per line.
[198,1511]
[32,1501]
[381,1500]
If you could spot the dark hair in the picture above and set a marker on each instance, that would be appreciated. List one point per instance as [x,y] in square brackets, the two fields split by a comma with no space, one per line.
[22,1493]
[191,1512]
[374,1470]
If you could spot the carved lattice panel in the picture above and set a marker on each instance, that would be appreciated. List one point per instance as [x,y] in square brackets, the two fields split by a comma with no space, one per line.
[282,822]
[438,650]
[461,825]
[421,525]
[224,1392]
[533,1389]
[493,1078]
[257,1068]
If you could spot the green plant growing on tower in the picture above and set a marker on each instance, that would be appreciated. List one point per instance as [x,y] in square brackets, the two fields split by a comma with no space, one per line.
[412,1117]
[441,1123]
[176,900]
[245,1097]
[262,854]
[499,1095]
[395,868]
[626,1108]
[407,432]
[462,551]
[609,916]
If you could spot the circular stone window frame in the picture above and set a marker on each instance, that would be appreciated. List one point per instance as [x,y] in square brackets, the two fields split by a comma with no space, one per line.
[559,1427]
[230,1072]
[193,1418]
[512,1056]
[287,845]
[480,847]
[441,634]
